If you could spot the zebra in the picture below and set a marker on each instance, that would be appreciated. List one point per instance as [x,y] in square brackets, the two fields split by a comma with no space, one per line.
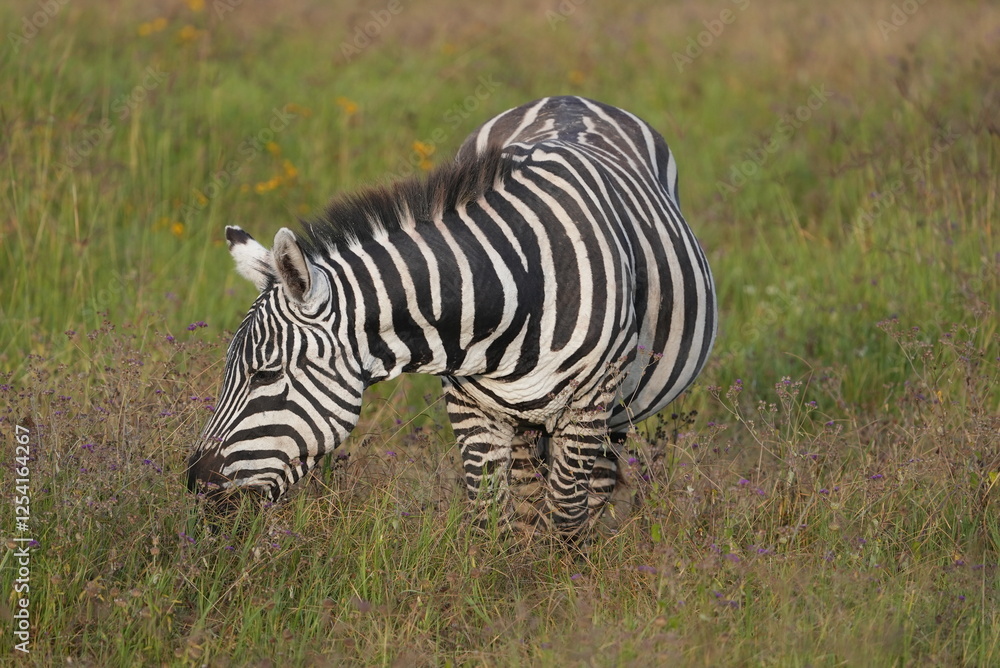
[546,275]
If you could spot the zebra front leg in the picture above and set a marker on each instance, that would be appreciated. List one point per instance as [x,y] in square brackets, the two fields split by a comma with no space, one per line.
[485,444]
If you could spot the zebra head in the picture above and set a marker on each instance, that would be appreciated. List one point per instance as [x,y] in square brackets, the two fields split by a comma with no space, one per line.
[292,390]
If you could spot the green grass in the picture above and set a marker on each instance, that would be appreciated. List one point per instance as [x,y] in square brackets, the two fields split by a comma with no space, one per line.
[832,501]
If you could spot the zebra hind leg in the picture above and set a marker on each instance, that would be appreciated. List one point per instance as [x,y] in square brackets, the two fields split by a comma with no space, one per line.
[582,472]
[603,482]
[529,479]
[621,472]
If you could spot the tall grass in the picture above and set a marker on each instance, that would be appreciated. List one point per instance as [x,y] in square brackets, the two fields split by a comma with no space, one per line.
[824,496]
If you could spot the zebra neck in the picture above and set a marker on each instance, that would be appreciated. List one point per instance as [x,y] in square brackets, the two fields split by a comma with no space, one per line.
[435,297]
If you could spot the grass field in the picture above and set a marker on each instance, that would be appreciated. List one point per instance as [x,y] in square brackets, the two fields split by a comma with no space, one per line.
[826,495]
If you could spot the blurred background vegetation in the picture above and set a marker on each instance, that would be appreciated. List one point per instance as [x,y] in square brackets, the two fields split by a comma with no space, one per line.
[133,136]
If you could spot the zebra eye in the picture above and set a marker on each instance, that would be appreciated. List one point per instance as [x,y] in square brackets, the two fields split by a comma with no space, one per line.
[260,378]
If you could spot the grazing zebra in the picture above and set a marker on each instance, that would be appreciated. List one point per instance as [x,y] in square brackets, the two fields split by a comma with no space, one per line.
[546,275]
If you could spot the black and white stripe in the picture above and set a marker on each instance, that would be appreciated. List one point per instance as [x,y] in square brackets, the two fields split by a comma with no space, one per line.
[547,275]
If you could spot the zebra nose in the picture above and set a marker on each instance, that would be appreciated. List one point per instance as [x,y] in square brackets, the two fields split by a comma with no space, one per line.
[204,471]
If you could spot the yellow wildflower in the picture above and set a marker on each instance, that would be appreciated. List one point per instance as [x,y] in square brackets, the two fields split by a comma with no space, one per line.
[267,186]
[298,110]
[177,229]
[350,107]
[150,27]
[187,34]
[290,171]
[195,5]
[576,77]
[273,148]
[200,196]
[424,150]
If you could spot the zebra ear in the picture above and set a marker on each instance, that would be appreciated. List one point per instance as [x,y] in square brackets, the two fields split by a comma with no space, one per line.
[294,268]
[253,261]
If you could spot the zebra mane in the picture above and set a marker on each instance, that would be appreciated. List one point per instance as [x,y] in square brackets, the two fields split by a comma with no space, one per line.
[358,216]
